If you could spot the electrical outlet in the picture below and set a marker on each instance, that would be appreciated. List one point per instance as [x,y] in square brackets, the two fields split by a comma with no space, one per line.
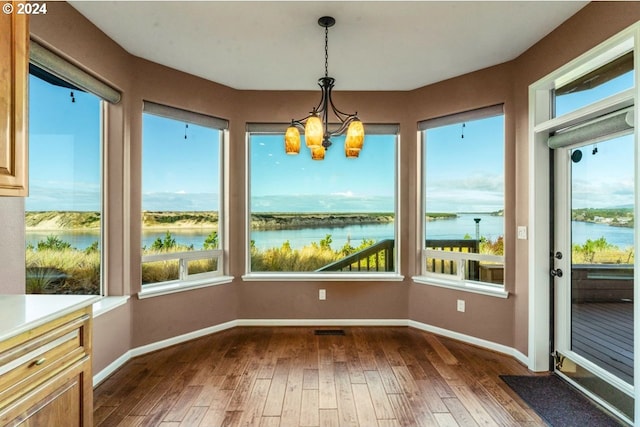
[461,306]
[322,294]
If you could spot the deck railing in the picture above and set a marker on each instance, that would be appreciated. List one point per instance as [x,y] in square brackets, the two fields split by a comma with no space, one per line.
[378,257]
[449,266]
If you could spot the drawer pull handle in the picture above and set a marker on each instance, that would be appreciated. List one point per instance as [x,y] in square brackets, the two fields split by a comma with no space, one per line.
[40,361]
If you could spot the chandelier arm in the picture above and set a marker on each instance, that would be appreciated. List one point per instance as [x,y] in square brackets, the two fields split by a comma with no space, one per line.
[343,126]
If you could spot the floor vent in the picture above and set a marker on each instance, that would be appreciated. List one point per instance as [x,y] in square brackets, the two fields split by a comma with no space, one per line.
[329,332]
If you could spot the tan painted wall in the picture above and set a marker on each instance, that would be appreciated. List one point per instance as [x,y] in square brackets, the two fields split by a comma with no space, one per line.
[142,322]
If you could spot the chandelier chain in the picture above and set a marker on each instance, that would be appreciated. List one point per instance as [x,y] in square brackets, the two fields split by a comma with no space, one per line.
[326,51]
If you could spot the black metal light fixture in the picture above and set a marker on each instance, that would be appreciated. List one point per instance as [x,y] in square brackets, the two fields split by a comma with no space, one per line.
[316,124]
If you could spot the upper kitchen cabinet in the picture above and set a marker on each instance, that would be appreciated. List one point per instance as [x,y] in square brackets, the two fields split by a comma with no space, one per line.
[14,74]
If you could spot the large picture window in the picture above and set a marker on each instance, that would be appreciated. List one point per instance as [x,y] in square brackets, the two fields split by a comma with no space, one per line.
[63,213]
[181,197]
[331,217]
[463,209]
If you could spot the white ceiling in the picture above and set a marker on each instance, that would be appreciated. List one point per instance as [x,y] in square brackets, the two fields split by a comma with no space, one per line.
[278,45]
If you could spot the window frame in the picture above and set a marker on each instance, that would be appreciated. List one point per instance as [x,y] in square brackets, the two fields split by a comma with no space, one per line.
[279,129]
[185,280]
[50,65]
[461,259]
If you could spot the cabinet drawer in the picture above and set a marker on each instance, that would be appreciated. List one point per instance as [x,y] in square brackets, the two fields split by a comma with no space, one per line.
[39,355]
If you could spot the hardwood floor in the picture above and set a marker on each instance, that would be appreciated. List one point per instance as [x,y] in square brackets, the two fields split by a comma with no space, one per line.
[371,376]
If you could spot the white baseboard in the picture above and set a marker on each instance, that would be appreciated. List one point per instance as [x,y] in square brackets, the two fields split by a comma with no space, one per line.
[139,351]
[158,345]
[111,368]
[322,322]
[489,345]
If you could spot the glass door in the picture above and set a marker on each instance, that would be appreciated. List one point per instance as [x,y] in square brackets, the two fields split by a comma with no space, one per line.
[593,268]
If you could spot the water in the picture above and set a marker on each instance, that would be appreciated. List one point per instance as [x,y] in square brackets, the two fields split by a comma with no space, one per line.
[490,227]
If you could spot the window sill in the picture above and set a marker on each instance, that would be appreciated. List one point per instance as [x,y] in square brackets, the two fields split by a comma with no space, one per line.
[106,304]
[476,288]
[174,287]
[323,277]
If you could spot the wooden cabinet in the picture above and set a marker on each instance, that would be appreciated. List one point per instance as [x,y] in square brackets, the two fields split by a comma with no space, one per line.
[45,374]
[14,75]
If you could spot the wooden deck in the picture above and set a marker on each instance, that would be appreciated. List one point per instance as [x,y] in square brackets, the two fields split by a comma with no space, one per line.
[370,377]
[603,334]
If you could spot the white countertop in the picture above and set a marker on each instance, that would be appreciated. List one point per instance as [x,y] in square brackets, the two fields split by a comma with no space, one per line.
[20,313]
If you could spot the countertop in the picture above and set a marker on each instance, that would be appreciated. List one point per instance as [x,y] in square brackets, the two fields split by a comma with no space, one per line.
[20,313]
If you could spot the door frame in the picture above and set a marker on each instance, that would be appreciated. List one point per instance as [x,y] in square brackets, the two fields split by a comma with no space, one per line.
[540,244]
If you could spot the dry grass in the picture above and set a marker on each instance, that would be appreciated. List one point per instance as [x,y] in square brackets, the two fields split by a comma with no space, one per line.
[66,271]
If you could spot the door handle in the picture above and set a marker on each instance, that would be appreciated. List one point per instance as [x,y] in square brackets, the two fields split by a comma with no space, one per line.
[556,272]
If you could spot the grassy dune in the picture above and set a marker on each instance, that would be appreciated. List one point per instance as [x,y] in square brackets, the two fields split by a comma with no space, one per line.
[61,220]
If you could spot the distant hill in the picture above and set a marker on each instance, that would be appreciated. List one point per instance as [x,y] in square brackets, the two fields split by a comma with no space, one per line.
[62,220]
[617,217]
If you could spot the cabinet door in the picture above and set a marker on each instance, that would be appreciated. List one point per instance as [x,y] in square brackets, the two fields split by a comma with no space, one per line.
[14,69]
[65,401]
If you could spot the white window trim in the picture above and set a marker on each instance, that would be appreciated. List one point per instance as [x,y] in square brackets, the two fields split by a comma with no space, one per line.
[106,304]
[172,287]
[445,280]
[271,128]
[466,286]
[321,277]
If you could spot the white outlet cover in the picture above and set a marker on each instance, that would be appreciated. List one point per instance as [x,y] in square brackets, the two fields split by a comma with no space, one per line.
[522,232]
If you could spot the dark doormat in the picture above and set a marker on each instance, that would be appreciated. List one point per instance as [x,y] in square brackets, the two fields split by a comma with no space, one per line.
[558,403]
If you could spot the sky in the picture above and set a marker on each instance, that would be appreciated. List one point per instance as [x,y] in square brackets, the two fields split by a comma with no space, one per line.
[462,174]
[465,174]
[296,183]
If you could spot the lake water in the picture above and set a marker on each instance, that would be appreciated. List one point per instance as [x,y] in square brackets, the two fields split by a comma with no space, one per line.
[490,227]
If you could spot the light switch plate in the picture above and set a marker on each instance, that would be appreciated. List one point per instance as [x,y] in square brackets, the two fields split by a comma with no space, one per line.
[522,232]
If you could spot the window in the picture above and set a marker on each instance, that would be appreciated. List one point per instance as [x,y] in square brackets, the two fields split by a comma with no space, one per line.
[581,87]
[320,219]
[64,209]
[463,191]
[181,198]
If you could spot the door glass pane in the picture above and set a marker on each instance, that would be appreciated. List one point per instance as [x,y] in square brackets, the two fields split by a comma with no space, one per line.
[602,256]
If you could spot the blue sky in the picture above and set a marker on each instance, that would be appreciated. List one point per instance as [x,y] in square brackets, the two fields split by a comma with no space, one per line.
[288,183]
[64,154]
[465,174]
[182,174]
[179,173]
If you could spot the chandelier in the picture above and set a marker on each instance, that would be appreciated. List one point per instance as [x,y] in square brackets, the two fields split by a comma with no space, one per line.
[316,124]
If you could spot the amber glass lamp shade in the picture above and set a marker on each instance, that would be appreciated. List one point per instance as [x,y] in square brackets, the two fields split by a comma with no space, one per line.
[313,132]
[355,136]
[317,152]
[351,153]
[292,140]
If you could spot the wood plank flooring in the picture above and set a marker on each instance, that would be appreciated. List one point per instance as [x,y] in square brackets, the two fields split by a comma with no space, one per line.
[603,333]
[288,376]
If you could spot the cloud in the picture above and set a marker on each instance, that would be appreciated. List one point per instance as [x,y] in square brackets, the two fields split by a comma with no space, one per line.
[600,193]
[180,201]
[322,203]
[81,197]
